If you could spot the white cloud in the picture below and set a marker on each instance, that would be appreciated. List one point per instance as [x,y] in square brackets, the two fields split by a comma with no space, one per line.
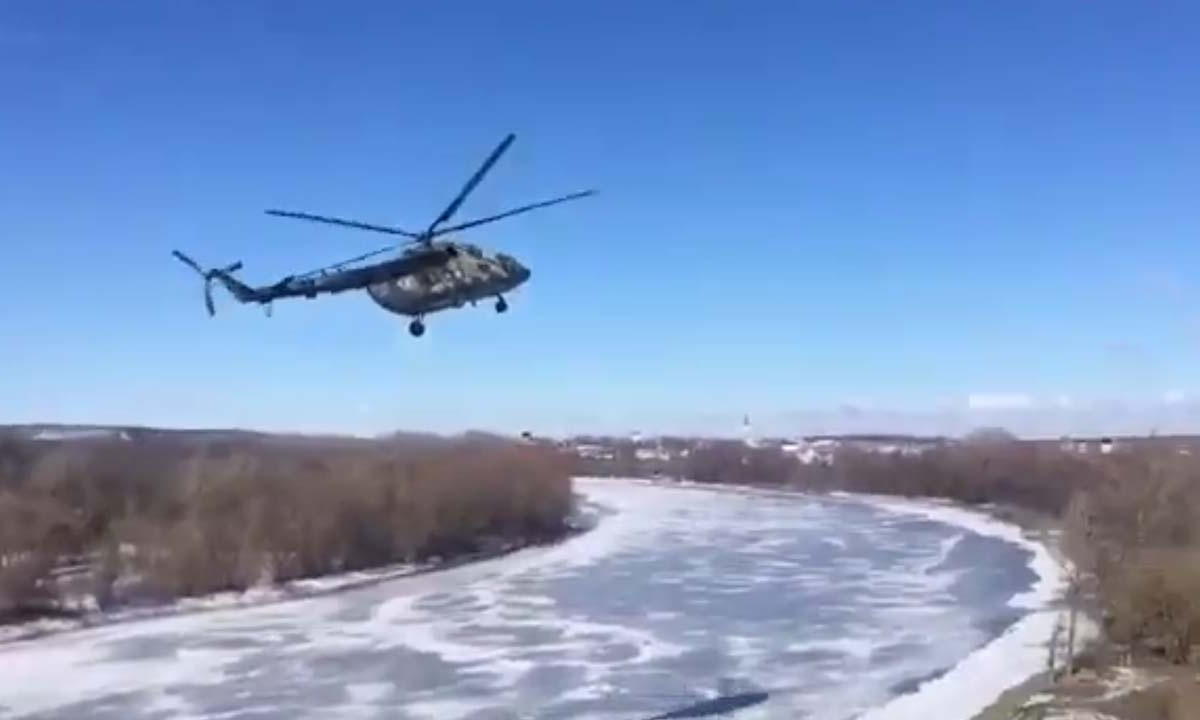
[1174,397]
[999,401]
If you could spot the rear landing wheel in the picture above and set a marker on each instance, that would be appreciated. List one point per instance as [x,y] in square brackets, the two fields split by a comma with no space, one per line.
[416,328]
[501,305]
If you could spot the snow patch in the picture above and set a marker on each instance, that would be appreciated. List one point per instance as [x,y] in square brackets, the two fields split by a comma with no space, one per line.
[1125,680]
[367,693]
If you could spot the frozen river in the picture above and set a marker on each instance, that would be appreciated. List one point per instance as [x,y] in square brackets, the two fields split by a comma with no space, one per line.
[831,606]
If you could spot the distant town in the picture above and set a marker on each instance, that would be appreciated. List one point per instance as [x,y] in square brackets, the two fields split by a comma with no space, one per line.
[641,455]
[818,449]
[809,450]
[644,455]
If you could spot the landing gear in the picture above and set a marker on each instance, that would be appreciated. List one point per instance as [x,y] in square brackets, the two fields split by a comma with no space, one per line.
[416,328]
[501,305]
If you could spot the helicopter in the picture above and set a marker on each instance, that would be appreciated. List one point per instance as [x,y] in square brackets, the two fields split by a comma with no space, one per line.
[430,273]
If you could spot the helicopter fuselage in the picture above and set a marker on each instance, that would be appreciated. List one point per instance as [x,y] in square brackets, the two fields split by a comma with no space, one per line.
[467,277]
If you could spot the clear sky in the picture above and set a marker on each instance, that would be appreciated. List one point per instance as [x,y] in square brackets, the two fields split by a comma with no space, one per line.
[831,216]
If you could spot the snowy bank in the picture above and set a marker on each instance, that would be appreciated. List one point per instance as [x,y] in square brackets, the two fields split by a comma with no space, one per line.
[252,597]
[1017,654]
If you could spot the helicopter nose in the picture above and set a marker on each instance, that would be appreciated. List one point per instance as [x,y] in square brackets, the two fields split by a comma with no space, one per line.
[515,270]
[519,271]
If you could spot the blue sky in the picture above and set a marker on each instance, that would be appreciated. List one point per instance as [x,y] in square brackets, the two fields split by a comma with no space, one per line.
[893,216]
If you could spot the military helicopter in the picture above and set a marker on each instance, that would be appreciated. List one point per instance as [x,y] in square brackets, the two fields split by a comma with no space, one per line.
[430,274]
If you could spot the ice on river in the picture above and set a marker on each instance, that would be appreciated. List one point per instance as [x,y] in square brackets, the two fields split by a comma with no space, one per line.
[833,606]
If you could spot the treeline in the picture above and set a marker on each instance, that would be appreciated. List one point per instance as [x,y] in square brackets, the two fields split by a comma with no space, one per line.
[1033,476]
[1036,477]
[733,462]
[157,519]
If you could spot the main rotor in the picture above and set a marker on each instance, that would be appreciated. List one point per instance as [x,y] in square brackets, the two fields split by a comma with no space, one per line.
[438,227]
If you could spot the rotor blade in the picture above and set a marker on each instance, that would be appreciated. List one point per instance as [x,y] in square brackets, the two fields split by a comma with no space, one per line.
[356,258]
[462,195]
[514,211]
[208,298]
[341,222]
[188,261]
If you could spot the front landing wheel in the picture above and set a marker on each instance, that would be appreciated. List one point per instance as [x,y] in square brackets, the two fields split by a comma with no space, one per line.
[416,328]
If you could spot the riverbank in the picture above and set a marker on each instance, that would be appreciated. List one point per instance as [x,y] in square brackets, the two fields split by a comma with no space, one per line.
[997,679]
[1010,672]
[989,676]
[264,595]
[1033,691]
[1149,690]
[1096,691]
[257,596]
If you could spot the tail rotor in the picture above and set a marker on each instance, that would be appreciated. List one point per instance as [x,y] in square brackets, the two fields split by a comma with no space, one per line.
[208,275]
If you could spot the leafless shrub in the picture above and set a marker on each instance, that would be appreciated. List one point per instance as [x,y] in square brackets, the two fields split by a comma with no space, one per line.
[1134,532]
[105,573]
[1153,603]
[32,532]
[25,586]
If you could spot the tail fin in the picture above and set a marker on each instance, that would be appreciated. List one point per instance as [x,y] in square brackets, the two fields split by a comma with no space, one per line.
[239,290]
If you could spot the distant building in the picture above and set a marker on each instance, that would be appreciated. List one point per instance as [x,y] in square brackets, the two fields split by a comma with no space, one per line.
[594,452]
[892,445]
[822,449]
[748,432]
[1083,446]
[652,454]
[811,452]
[59,434]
